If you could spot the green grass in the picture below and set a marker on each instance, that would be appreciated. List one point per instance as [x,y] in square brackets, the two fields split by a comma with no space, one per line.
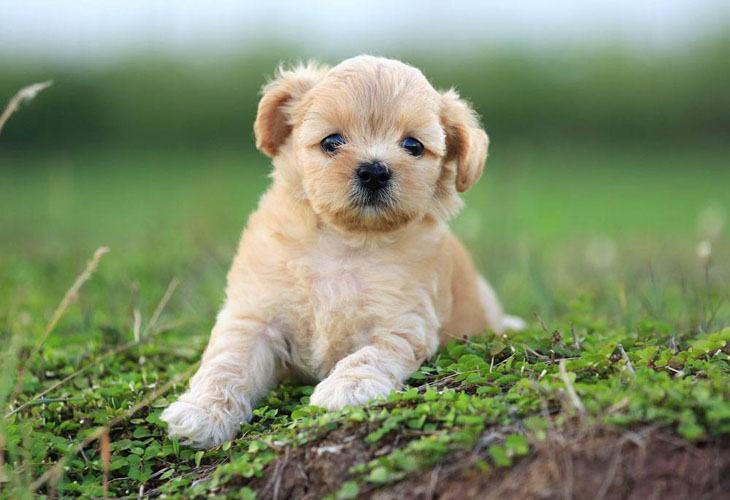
[599,245]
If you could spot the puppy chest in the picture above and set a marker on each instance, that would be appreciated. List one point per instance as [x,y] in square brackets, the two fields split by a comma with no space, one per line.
[335,306]
[338,299]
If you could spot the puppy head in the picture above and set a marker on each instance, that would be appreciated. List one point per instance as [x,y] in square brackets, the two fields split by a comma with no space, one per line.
[370,144]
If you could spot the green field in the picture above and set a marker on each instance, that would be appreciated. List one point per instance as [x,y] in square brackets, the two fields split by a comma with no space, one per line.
[537,214]
[595,246]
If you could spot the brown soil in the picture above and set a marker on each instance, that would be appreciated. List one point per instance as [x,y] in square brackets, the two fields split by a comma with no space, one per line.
[649,464]
[316,469]
[644,464]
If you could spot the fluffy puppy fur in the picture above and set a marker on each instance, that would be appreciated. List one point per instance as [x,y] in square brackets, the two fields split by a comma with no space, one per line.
[325,286]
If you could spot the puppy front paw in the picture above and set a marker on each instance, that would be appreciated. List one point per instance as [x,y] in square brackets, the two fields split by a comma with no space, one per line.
[340,390]
[203,426]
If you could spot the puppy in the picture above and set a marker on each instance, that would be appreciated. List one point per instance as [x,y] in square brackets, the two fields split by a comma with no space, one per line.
[347,273]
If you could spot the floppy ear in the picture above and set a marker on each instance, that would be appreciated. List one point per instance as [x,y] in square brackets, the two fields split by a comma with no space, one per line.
[280,96]
[466,141]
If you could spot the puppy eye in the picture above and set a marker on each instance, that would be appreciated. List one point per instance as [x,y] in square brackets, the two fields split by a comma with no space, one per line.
[413,146]
[331,143]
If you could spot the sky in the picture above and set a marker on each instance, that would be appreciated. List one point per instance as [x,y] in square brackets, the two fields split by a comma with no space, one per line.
[97,30]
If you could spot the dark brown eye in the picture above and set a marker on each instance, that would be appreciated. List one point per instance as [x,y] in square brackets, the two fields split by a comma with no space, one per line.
[413,146]
[332,143]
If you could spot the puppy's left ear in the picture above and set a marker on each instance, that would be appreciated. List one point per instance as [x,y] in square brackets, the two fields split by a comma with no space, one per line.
[280,97]
[466,141]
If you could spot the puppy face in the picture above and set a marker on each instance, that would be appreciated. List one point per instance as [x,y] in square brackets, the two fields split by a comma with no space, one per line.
[370,143]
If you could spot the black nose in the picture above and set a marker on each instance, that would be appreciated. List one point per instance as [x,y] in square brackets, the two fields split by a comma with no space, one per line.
[374,175]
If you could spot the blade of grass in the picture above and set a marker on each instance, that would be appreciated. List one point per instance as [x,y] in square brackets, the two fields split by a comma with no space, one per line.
[26,94]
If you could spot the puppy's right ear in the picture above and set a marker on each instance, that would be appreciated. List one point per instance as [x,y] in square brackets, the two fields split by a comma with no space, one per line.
[280,96]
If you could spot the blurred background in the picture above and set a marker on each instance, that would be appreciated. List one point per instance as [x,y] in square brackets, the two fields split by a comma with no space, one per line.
[609,124]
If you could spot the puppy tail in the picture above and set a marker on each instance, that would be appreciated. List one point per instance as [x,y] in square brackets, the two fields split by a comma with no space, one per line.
[513,323]
[497,320]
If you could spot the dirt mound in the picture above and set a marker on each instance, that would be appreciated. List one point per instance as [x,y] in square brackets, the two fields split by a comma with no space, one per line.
[317,469]
[643,464]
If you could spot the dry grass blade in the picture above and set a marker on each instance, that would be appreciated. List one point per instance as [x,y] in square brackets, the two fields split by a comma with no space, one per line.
[137,325]
[576,340]
[3,479]
[106,459]
[71,295]
[124,347]
[625,357]
[528,349]
[54,473]
[26,94]
[574,398]
[161,306]
[68,299]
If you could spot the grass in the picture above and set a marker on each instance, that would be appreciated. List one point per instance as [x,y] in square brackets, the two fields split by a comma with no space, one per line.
[597,248]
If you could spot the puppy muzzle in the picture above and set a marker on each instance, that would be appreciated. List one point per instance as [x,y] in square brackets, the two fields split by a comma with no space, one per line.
[373,184]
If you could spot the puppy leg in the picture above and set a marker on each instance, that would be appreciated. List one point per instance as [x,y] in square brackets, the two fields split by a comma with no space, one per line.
[238,367]
[374,370]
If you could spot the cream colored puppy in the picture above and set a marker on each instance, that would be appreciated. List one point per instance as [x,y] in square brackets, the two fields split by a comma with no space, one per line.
[347,273]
